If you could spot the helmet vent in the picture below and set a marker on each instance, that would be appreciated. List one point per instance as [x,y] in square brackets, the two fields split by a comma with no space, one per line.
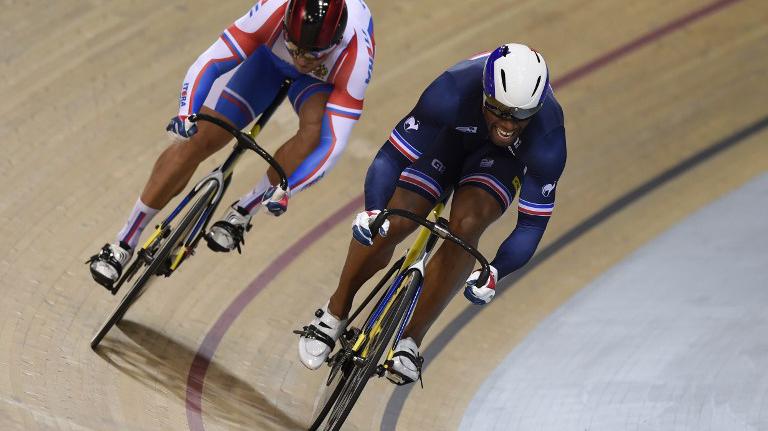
[504,80]
[538,81]
[538,58]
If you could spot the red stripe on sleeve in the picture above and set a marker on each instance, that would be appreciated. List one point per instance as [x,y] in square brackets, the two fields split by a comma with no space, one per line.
[249,42]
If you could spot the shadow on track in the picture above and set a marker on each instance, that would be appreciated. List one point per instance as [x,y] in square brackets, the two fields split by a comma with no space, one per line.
[153,359]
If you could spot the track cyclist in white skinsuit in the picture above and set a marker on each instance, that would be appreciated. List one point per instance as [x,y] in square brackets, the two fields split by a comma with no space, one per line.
[325,46]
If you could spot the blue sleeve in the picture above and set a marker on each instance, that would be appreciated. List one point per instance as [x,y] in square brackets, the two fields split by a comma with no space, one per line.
[519,246]
[413,135]
[545,164]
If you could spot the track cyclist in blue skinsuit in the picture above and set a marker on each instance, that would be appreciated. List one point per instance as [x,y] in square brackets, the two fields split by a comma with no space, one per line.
[325,46]
[488,128]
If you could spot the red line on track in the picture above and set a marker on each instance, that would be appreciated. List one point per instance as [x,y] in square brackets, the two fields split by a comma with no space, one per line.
[196,376]
[204,355]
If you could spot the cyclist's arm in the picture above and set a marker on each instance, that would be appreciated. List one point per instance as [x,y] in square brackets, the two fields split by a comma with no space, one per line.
[350,77]
[260,25]
[430,122]
[535,205]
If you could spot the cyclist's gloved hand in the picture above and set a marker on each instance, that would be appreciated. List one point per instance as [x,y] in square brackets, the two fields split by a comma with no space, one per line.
[181,129]
[481,295]
[361,229]
[276,200]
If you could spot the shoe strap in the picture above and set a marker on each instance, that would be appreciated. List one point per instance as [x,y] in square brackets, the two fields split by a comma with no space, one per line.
[107,256]
[416,360]
[313,333]
[236,232]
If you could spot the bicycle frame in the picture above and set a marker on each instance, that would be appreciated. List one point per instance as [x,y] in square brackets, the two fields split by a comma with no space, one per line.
[219,178]
[361,349]
[414,258]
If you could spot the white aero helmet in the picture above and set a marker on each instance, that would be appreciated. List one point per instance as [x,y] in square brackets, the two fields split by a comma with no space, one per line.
[515,78]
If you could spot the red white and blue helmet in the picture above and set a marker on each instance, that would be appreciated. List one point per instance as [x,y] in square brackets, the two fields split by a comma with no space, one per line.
[515,78]
[315,25]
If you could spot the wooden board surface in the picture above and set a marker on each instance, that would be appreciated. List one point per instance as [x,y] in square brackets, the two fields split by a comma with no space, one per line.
[87,88]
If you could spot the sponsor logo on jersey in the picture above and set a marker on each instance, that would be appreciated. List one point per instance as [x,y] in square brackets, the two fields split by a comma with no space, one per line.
[184,93]
[513,147]
[486,163]
[547,189]
[438,165]
[467,129]
[369,48]
[411,124]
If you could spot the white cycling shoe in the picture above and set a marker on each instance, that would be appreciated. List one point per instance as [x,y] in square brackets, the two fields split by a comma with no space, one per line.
[107,266]
[319,337]
[227,234]
[406,363]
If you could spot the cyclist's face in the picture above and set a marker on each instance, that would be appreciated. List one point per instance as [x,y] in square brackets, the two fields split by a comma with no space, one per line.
[306,65]
[306,61]
[503,132]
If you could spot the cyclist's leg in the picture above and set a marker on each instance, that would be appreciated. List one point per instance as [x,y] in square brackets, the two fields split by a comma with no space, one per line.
[308,97]
[487,187]
[363,262]
[177,163]
[170,174]
[472,211]
[416,191]
[419,187]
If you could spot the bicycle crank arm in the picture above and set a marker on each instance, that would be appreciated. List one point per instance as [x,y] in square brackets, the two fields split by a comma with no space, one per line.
[381,369]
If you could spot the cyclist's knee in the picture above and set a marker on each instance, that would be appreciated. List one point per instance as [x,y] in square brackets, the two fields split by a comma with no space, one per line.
[472,211]
[468,227]
[202,145]
[309,134]
[469,221]
[311,119]
[302,144]
[399,229]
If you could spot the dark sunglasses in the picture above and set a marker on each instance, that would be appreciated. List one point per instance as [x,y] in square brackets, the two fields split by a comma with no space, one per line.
[508,113]
[307,54]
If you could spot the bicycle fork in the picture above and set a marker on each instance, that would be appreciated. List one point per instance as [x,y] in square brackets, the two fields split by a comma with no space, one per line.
[187,244]
[375,325]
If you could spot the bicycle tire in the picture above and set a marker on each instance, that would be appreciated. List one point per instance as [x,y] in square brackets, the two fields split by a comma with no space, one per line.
[333,386]
[170,243]
[337,376]
[359,375]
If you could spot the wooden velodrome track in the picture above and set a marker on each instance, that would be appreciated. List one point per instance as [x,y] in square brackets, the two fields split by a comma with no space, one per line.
[666,110]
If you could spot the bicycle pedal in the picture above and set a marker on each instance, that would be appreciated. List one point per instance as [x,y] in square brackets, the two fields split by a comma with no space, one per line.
[336,358]
[380,370]
[351,334]
[358,361]
[164,269]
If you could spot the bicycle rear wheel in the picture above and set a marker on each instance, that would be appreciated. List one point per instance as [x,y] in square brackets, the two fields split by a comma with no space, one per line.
[190,218]
[358,376]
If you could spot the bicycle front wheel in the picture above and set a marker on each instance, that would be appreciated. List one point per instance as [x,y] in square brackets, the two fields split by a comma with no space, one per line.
[341,369]
[354,382]
[207,193]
